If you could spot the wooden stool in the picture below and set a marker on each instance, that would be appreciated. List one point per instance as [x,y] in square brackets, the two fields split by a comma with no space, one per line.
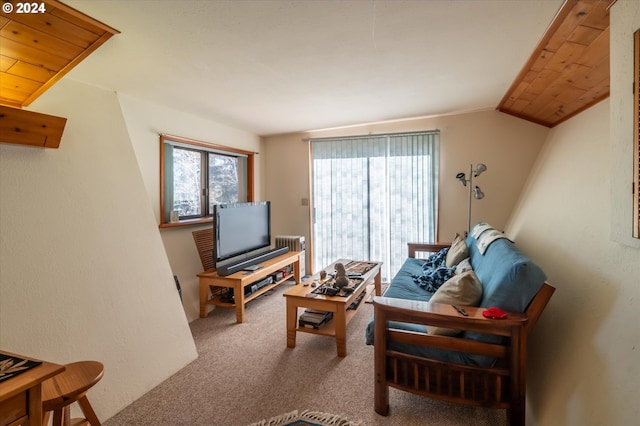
[62,390]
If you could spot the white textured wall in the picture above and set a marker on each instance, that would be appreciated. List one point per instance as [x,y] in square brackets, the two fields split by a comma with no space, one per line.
[583,358]
[574,219]
[83,273]
[625,20]
[507,145]
[145,121]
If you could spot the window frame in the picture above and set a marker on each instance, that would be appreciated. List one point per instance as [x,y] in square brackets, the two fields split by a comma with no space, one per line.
[205,147]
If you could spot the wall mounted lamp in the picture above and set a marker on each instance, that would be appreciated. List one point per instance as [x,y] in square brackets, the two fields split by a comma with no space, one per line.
[474,191]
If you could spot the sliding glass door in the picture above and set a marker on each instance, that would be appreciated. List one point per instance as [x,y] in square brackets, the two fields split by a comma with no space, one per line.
[372,195]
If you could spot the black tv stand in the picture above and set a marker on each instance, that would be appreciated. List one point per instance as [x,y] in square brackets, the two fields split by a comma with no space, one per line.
[243,264]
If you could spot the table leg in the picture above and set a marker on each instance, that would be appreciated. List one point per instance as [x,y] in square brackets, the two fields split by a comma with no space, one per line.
[378,282]
[297,271]
[88,412]
[58,414]
[204,298]
[238,295]
[340,321]
[292,318]
[35,404]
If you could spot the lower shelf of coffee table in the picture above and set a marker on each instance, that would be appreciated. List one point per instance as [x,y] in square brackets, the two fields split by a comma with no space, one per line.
[328,328]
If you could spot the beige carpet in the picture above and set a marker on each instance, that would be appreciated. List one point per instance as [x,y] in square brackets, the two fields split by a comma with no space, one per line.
[383,289]
[245,373]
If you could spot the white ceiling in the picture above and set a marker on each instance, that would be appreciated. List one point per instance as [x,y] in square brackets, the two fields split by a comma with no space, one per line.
[270,66]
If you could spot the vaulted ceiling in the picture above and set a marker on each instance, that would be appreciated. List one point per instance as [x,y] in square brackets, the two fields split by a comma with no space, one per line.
[292,65]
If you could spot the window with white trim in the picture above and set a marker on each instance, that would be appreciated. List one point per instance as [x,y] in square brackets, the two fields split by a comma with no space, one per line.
[194,176]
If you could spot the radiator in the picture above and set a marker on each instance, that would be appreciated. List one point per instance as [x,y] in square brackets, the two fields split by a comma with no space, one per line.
[294,243]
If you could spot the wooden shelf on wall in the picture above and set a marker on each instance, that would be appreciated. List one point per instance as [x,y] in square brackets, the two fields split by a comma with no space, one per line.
[23,127]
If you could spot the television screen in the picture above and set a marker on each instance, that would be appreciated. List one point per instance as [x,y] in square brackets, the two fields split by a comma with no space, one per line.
[241,228]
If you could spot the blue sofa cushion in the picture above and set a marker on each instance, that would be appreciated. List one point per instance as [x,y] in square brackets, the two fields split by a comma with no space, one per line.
[403,287]
[510,280]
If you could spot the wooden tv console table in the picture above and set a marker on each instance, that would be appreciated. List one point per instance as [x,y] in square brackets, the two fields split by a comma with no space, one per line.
[239,280]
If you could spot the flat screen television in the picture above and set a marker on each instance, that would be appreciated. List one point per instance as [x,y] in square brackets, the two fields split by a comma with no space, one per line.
[240,230]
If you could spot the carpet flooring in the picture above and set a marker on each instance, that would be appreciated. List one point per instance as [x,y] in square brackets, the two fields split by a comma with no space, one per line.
[246,373]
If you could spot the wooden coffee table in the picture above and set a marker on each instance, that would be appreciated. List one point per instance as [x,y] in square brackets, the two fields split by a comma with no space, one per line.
[302,296]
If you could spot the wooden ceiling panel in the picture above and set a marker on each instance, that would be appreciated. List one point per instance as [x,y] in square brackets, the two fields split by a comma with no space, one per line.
[37,49]
[598,16]
[6,63]
[19,84]
[565,55]
[31,55]
[542,59]
[63,26]
[569,70]
[32,72]
[39,40]
[584,35]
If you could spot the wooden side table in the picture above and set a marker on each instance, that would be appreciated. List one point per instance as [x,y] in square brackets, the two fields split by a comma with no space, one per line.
[20,396]
[59,392]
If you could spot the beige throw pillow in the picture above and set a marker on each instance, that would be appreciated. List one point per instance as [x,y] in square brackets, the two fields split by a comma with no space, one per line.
[464,289]
[464,266]
[457,252]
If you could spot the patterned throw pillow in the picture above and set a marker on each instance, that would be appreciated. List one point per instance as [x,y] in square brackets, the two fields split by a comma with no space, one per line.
[435,260]
[434,272]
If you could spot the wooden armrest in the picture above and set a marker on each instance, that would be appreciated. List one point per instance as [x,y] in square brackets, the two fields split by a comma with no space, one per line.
[444,315]
[426,247]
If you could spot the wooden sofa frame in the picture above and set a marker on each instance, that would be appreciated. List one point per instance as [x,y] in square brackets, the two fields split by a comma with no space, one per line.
[502,385]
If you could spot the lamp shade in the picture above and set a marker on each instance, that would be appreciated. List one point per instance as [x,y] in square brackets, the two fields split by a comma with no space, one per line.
[474,190]
[479,169]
